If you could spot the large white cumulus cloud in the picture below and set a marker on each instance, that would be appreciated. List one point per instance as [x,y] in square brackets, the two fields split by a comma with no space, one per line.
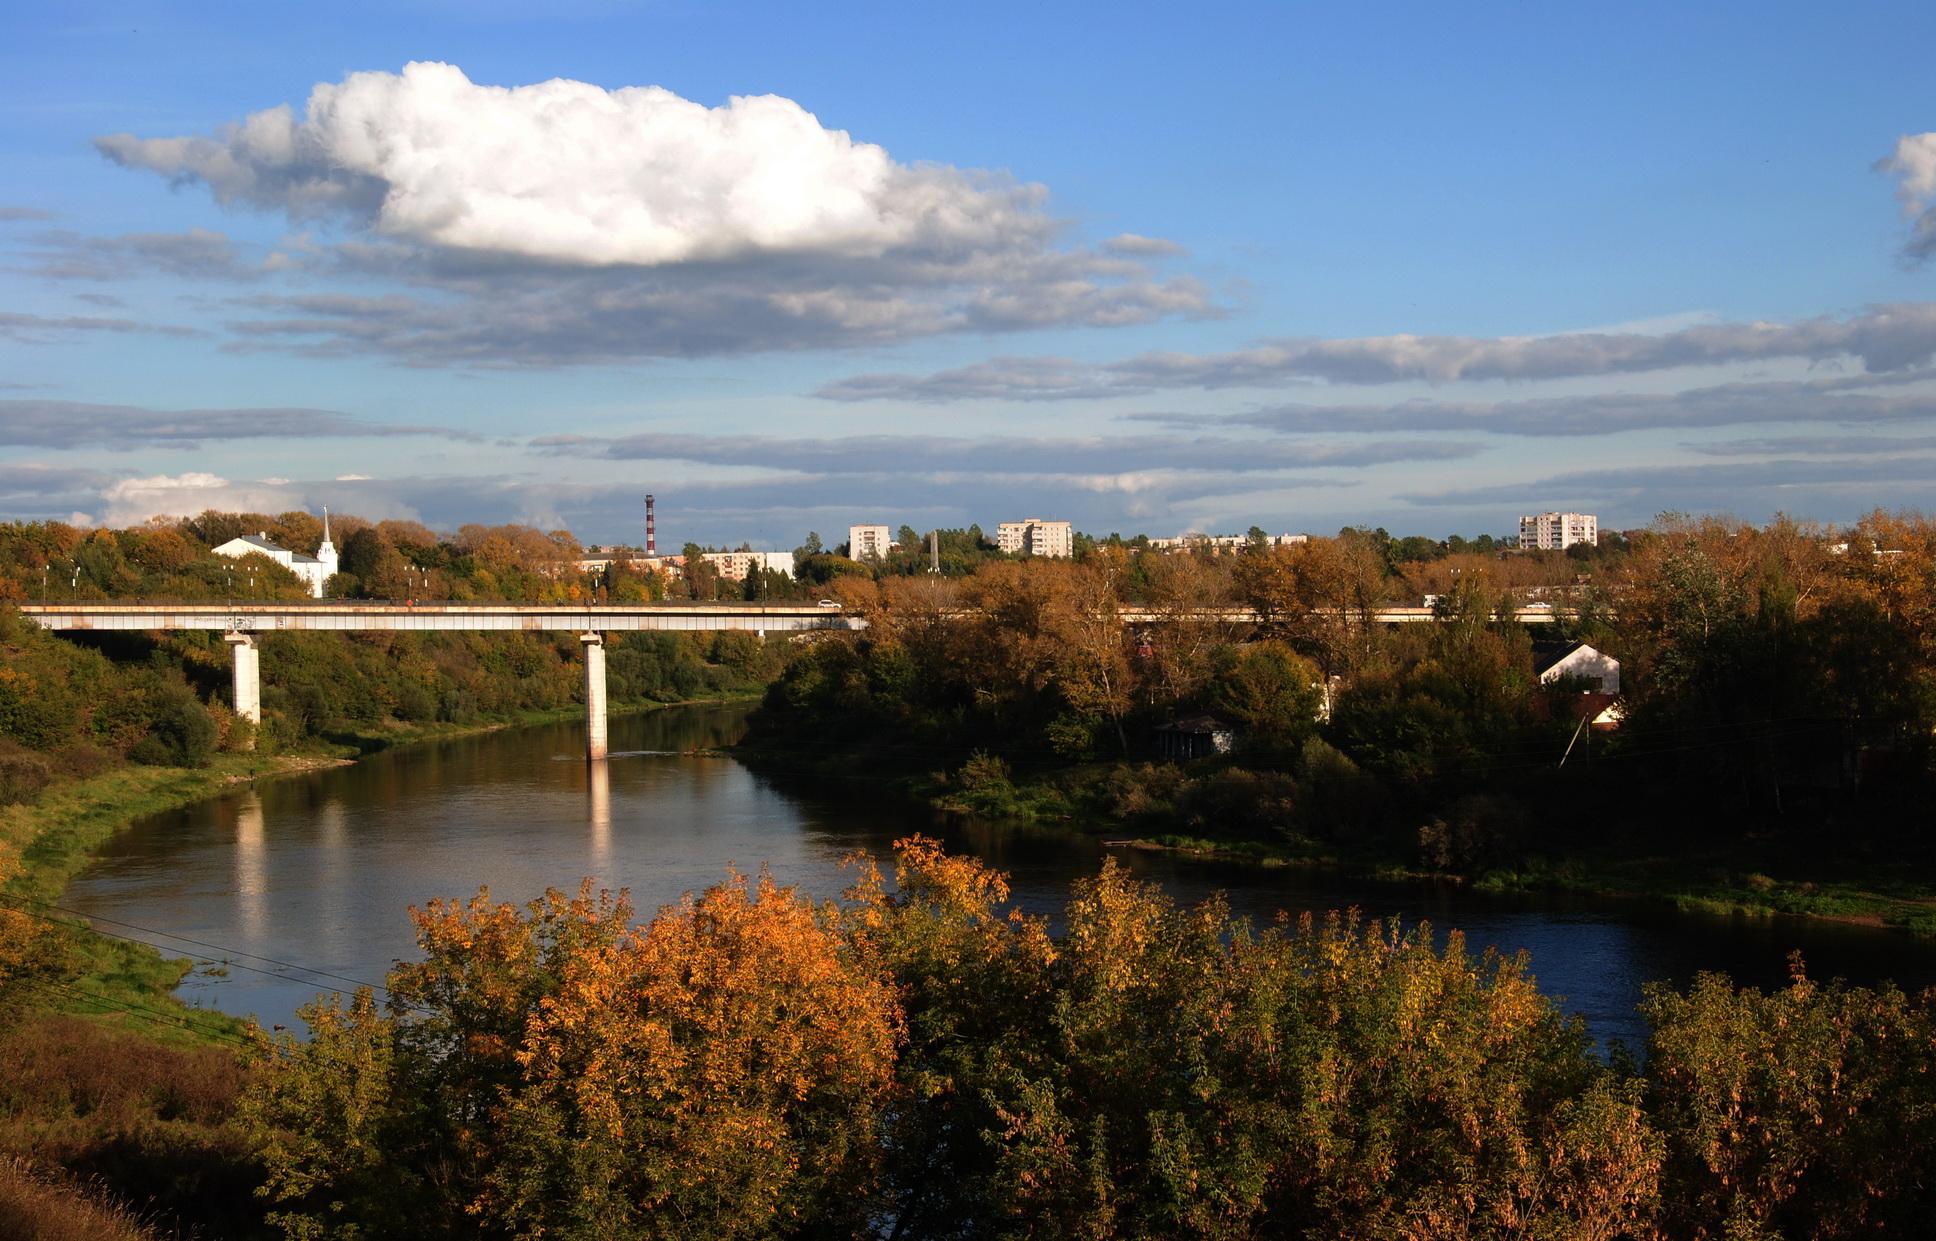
[566,224]
[570,172]
[1914,163]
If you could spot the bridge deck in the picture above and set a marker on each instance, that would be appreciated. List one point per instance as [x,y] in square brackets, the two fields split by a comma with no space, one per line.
[345,615]
[339,615]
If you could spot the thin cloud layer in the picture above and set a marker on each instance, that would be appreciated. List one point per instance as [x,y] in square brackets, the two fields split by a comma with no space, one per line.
[1000,455]
[199,253]
[775,512]
[562,223]
[75,424]
[1764,485]
[31,329]
[1838,400]
[1883,339]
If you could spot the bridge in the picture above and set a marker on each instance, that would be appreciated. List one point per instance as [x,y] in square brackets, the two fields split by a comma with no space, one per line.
[241,623]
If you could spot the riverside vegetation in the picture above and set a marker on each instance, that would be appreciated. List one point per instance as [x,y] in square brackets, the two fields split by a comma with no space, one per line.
[927,1061]
[112,1084]
[1780,696]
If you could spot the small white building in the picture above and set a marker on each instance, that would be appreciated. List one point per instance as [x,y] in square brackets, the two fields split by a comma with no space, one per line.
[1581,660]
[1555,532]
[1037,536]
[313,570]
[868,542]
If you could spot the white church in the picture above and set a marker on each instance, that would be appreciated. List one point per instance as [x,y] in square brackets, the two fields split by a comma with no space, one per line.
[314,570]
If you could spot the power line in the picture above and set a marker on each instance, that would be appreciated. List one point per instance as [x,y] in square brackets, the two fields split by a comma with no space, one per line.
[223,961]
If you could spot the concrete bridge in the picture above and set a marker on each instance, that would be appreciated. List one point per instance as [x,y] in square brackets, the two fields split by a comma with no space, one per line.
[240,623]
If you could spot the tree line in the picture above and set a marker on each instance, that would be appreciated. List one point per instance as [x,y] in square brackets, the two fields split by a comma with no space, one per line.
[1777,674]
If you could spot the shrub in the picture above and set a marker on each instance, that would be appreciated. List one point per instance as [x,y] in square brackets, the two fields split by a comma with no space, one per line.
[23,774]
[1235,802]
[180,731]
[983,787]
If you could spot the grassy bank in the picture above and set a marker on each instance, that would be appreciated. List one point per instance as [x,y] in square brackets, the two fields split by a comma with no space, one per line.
[99,975]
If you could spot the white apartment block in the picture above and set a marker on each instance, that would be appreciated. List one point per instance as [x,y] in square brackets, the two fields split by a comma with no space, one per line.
[1037,537]
[1555,532]
[734,566]
[868,542]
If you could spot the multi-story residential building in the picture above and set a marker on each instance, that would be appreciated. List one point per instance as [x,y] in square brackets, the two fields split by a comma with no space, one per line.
[734,566]
[1037,537]
[1555,532]
[868,542]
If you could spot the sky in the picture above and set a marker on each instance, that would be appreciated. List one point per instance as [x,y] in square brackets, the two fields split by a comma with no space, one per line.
[1148,268]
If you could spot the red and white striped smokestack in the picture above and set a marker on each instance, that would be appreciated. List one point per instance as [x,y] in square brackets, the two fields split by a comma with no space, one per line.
[651,532]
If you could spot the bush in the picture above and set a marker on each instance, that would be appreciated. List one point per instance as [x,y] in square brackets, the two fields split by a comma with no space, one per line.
[983,787]
[238,734]
[1235,802]
[23,774]
[180,732]
[83,760]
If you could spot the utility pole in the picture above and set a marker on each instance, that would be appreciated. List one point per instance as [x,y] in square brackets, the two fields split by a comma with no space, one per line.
[934,551]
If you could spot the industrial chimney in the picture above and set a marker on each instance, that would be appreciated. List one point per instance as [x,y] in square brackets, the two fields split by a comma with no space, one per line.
[651,532]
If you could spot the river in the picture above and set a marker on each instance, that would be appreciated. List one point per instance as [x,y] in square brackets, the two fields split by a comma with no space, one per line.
[301,884]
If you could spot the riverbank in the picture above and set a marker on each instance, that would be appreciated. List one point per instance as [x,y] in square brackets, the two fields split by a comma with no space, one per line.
[1756,879]
[100,973]
[103,975]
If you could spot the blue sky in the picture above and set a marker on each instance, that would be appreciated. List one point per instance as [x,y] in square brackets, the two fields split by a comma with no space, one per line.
[1148,268]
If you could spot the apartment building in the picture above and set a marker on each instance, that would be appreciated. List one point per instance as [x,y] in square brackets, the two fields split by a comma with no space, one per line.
[1555,532]
[1037,537]
[868,542]
[734,566]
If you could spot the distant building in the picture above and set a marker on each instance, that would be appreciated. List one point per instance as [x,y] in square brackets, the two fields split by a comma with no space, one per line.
[1580,661]
[734,566]
[313,570]
[868,542]
[1555,532]
[1217,544]
[1037,537]
[1199,736]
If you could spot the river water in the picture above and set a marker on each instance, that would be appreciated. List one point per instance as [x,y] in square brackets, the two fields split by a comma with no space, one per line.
[300,885]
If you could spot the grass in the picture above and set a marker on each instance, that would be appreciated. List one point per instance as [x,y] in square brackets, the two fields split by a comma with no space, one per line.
[43,1205]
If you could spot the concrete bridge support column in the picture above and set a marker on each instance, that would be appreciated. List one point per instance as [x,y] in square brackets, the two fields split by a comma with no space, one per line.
[594,695]
[248,676]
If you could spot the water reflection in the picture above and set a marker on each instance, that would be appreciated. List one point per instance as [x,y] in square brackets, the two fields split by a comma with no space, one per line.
[320,869]
[251,870]
[599,788]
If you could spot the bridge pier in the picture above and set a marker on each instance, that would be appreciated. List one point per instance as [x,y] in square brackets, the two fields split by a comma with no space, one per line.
[248,676]
[594,643]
